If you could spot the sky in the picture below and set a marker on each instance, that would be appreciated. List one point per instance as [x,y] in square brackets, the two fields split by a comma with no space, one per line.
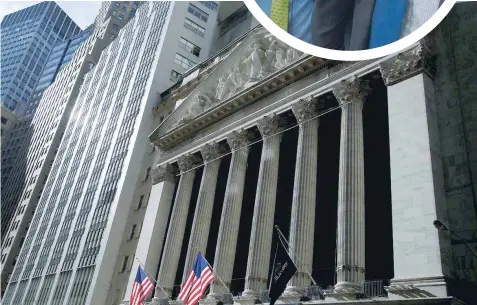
[82,12]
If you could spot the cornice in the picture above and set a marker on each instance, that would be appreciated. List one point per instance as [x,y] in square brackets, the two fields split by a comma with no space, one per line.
[420,59]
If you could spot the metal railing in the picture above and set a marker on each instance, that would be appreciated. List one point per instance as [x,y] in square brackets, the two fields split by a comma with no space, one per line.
[375,288]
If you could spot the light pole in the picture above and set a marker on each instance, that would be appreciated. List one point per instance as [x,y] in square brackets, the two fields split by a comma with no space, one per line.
[442,227]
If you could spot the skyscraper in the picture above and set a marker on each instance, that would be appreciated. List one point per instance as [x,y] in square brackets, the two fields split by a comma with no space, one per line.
[27,37]
[23,188]
[102,166]
[18,137]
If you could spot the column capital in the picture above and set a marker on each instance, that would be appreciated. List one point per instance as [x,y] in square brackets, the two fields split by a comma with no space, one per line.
[270,125]
[306,109]
[353,89]
[239,139]
[187,162]
[163,173]
[409,63]
[211,151]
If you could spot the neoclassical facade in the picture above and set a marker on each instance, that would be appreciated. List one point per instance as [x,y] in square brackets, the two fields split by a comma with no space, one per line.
[263,135]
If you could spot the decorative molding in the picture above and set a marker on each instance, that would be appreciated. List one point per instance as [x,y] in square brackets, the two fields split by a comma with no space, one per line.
[239,139]
[410,63]
[258,57]
[188,162]
[350,268]
[163,173]
[270,125]
[307,109]
[259,66]
[211,151]
[354,89]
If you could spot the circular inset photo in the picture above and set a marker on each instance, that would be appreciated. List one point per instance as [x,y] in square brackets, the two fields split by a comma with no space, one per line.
[350,29]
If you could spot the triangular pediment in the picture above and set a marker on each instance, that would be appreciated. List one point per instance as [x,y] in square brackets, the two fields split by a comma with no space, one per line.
[255,59]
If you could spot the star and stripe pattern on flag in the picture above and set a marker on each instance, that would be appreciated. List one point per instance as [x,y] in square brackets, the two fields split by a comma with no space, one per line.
[141,288]
[197,282]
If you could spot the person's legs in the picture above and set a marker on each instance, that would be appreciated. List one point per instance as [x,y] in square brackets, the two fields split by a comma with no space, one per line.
[361,25]
[330,20]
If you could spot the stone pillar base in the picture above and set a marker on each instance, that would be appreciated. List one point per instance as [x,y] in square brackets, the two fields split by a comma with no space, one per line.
[342,294]
[424,287]
[245,300]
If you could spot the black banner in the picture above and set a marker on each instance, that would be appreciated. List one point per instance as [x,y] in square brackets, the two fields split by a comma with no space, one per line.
[283,270]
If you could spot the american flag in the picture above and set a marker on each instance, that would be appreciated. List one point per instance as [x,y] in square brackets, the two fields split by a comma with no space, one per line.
[141,288]
[197,282]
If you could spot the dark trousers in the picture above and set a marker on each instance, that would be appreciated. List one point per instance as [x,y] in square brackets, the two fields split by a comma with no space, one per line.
[342,24]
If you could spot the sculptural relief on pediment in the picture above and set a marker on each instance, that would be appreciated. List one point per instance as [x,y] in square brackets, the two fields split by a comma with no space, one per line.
[255,59]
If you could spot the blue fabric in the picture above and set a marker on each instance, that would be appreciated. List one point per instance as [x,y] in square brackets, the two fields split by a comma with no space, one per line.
[387,22]
[299,17]
[140,276]
[199,265]
[265,5]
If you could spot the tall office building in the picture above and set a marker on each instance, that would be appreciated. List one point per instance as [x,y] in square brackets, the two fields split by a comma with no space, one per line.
[101,172]
[27,37]
[17,140]
[9,119]
[23,188]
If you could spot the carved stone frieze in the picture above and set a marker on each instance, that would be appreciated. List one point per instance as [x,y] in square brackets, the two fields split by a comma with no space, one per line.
[239,139]
[412,62]
[256,59]
[163,173]
[211,151]
[177,133]
[188,162]
[270,125]
[306,109]
[351,90]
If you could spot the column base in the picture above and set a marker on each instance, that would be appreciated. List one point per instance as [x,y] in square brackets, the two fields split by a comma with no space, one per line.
[246,299]
[292,294]
[347,286]
[423,287]
[343,293]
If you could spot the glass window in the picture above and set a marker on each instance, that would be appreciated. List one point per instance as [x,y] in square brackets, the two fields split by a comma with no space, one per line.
[194,27]
[194,10]
[211,5]
[133,232]
[125,264]
[183,61]
[189,46]
[141,200]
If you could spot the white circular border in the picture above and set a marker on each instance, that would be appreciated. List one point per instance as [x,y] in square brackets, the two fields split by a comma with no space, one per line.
[391,48]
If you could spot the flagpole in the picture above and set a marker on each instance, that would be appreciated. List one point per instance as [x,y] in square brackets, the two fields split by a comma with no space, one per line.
[280,236]
[218,277]
[273,268]
[155,281]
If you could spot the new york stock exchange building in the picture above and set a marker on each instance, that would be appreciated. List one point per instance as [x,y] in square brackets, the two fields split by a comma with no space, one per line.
[352,161]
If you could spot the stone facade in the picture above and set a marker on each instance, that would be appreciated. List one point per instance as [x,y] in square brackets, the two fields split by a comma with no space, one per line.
[429,92]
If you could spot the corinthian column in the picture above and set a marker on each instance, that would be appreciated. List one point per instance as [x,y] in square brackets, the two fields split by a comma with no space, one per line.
[302,224]
[350,245]
[205,203]
[264,210]
[230,219]
[175,234]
